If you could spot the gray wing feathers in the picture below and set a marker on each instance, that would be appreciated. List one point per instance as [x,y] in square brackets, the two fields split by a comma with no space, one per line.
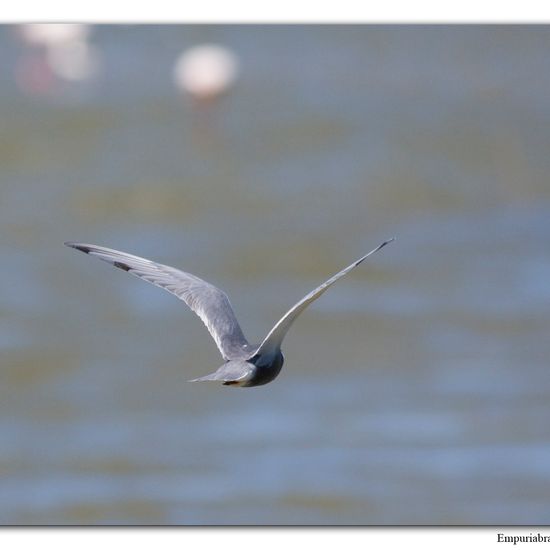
[274,339]
[208,302]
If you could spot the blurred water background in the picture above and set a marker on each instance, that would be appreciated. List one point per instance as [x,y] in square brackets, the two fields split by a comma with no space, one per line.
[416,391]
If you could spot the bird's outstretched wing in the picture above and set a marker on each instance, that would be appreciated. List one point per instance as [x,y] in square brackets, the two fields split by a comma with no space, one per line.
[207,301]
[274,339]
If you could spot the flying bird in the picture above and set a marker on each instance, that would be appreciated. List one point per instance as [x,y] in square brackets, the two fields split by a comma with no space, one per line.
[245,365]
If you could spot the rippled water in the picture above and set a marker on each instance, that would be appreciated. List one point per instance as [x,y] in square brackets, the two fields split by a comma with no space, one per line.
[414,392]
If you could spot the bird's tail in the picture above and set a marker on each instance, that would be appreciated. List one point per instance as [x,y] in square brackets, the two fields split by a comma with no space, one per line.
[212,376]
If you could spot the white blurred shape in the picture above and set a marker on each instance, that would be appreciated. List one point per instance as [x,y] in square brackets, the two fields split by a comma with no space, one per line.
[51,34]
[75,60]
[207,71]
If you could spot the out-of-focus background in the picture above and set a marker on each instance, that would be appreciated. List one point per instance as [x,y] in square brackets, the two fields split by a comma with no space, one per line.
[416,391]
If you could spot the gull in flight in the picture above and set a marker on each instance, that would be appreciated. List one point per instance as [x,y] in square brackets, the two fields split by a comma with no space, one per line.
[245,365]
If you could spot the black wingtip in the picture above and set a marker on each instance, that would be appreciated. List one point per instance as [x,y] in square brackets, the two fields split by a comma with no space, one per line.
[387,242]
[81,247]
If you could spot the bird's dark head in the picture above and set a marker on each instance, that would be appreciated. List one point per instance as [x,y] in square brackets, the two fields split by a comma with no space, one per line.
[267,368]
